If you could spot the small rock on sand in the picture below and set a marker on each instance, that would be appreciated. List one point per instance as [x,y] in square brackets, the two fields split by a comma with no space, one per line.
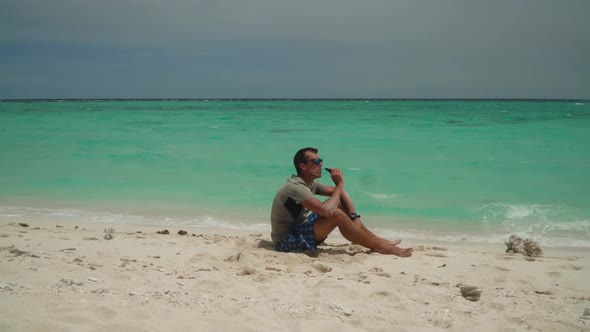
[471,293]
[181,232]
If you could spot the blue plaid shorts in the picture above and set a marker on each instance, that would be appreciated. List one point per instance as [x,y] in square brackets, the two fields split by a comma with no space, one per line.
[301,237]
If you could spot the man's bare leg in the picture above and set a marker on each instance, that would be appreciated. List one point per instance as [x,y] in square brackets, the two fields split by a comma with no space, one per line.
[358,221]
[355,233]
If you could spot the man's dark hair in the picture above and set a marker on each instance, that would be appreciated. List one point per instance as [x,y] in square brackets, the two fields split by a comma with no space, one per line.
[300,158]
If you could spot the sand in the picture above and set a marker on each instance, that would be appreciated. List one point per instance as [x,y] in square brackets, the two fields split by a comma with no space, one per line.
[68,277]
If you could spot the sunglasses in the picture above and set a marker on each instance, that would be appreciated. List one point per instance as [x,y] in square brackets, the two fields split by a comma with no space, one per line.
[315,161]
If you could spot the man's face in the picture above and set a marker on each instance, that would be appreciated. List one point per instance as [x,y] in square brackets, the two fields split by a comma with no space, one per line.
[309,168]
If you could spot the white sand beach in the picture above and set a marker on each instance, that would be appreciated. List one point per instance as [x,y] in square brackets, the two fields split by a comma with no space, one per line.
[68,277]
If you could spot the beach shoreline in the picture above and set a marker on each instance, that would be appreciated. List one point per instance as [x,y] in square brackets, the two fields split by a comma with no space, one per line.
[68,276]
[414,230]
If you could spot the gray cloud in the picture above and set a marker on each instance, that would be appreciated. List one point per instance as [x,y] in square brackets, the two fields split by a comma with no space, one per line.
[263,48]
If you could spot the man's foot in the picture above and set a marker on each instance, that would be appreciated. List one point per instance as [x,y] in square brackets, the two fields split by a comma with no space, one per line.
[395,243]
[403,252]
[395,250]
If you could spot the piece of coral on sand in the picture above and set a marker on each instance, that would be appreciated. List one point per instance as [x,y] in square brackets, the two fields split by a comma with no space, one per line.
[527,247]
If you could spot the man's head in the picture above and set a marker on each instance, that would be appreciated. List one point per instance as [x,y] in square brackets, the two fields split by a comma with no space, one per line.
[304,158]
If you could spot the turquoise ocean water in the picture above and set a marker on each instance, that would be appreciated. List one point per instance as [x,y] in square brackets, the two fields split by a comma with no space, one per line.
[454,170]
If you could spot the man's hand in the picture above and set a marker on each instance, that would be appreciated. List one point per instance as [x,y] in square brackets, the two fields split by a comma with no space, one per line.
[337,177]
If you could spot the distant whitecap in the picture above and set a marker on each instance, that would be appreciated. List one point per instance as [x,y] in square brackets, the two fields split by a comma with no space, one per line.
[382,196]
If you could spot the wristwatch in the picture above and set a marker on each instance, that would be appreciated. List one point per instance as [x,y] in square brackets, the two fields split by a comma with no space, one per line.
[353,216]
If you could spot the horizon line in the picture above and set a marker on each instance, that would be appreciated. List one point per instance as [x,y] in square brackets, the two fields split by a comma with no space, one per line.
[293,99]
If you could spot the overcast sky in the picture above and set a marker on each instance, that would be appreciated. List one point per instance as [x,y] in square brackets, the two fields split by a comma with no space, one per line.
[295,49]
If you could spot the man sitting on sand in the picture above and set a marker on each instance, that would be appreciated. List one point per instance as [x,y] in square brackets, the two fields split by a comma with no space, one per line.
[300,221]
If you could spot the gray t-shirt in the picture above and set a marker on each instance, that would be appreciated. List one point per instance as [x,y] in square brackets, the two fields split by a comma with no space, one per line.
[287,208]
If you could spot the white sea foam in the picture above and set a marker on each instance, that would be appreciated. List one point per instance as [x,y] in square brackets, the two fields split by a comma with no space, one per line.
[547,232]
[74,215]
[382,196]
[208,221]
[553,225]
[549,225]
[505,212]
[423,237]
[520,211]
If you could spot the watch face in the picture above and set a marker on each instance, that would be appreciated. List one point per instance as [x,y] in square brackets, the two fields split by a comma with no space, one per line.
[353,216]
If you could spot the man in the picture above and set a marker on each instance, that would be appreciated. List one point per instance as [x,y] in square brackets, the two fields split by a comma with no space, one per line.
[300,221]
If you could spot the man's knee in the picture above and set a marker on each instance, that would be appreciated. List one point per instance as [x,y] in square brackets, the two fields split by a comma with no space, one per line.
[340,216]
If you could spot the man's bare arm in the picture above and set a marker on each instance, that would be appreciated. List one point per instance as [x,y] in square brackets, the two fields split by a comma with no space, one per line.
[347,201]
[327,208]
[345,198]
